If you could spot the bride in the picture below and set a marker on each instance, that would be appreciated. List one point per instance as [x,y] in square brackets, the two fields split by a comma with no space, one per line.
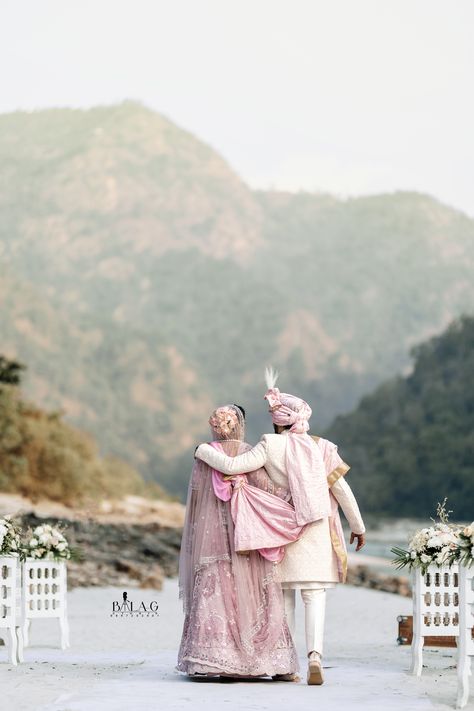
[234,614]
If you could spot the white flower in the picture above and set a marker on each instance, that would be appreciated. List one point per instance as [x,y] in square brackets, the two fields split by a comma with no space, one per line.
[47,542]
[3,530]
[418,542]
[425,558]
[413,555]
[442,556]
[447,538]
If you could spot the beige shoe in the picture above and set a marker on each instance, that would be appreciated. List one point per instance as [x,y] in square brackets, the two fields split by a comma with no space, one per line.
[286,677]
[315,669]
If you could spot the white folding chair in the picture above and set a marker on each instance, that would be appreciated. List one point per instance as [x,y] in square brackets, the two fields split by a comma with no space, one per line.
[10,612]
[466,622]
[44,595]
[435,608]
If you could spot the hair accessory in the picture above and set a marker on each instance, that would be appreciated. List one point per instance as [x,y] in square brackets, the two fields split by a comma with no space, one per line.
[226,421]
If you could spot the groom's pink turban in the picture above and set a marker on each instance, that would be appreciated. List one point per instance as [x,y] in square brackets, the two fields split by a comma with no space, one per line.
[304,462]
[288,410]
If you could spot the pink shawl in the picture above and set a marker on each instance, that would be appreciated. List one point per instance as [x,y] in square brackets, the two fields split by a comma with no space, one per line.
[307,478]
[304,462]
[262,521]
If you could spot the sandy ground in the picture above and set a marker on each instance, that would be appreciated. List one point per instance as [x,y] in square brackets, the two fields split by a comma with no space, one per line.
[123,664]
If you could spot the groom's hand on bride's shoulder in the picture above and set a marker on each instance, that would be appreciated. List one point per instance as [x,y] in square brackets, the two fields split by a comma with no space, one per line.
[360,540]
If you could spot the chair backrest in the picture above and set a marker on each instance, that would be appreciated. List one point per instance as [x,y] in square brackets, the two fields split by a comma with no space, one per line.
[44,588]
[10,593]
[436,601]
[466,608]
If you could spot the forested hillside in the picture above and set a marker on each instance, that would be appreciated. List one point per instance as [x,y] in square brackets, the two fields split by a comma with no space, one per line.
[411,442]
[42,457]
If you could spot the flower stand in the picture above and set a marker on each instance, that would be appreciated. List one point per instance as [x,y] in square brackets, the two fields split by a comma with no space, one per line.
[465,643]
[10,592]
[435,608]
[44,595]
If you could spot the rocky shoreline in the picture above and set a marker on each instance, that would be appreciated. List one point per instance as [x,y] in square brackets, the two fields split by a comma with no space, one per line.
[142,555]
[363,576]
[137,555]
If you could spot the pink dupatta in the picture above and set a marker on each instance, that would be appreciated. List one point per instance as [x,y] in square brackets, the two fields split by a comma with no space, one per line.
[262,520]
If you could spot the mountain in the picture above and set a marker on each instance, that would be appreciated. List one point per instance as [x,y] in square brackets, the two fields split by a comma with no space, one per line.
[90,188]
[411,442]
[115,382]
[144,283]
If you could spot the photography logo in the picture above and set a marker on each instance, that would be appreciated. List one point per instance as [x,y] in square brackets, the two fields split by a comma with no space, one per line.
[130,608]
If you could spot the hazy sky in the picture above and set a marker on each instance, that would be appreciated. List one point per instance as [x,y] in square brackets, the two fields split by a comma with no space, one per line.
[346,96]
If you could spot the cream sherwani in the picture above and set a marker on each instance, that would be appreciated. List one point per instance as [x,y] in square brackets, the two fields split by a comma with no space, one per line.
[310,563]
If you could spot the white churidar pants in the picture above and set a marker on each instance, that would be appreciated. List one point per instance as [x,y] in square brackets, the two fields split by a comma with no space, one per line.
[314,614]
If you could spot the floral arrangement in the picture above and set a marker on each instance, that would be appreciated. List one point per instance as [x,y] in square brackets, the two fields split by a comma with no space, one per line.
[224,420]
[465,549]
[9,537]
[45,542]
[48,542]
[437,544]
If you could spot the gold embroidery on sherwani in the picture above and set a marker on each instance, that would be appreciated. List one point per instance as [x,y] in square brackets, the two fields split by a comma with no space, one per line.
[333,476]
[339,471]
[340,552]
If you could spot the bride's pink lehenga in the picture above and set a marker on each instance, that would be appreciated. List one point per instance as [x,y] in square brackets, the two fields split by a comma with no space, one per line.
[234,614]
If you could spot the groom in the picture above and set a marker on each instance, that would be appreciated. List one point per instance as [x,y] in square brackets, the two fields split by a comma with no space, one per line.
[314,472]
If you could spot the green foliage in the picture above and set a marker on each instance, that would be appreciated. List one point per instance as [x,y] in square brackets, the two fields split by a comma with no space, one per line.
[411,442]
[43,457]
